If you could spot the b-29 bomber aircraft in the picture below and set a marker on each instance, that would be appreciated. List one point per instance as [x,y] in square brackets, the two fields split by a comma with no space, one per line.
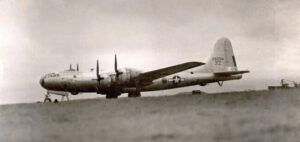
[221,66]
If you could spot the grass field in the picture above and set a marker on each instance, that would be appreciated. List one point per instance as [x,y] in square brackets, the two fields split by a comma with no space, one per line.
[271,116]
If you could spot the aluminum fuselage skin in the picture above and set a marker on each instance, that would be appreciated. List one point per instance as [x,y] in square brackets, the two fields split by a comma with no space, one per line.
[220,66]
[83,82]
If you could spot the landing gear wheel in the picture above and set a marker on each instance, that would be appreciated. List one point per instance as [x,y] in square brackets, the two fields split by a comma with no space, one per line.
[55,101]
[113,93]
[47,100]
[134,94]
[110,96]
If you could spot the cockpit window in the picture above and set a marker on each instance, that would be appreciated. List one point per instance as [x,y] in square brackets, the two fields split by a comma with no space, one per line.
[52,75]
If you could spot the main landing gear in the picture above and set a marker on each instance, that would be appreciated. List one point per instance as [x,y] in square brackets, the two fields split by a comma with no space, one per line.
[134,94]
[112,96]
[113,93]
[130,95]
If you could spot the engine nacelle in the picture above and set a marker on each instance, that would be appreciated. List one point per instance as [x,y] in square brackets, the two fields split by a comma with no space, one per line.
[128,76]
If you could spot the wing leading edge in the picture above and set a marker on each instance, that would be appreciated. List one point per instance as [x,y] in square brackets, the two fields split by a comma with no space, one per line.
[155,74]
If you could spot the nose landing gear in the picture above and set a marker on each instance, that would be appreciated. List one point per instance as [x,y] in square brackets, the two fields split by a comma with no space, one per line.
[62,94]
[47,98]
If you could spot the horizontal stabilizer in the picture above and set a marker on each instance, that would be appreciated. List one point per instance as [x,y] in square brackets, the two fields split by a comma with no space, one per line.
[226,73]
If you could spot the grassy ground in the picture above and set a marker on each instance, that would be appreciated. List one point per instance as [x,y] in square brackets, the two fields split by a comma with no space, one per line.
[234,117]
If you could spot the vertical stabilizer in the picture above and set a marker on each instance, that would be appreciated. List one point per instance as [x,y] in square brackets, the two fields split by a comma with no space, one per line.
[222,58]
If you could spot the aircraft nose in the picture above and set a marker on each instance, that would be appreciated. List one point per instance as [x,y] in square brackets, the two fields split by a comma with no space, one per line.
[42,81]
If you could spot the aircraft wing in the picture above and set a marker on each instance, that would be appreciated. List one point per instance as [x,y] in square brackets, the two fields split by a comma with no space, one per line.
[230,73]
[155,74]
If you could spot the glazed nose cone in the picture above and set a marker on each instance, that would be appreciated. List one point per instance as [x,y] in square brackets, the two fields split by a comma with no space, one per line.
[42,81]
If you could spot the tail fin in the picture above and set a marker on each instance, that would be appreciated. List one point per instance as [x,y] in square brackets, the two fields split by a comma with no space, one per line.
[222,58]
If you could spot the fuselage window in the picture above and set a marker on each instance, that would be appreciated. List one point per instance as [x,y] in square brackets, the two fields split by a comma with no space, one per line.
[192,72]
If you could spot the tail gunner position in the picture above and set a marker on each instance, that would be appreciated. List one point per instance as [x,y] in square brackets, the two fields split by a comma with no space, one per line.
[221,66]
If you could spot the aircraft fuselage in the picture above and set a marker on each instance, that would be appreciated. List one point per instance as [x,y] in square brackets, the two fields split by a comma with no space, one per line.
[220,66]
[76,82]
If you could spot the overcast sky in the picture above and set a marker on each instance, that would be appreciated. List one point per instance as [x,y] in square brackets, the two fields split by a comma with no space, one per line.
[37,37]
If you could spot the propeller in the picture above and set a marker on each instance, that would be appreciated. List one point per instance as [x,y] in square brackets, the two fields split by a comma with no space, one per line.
[77,67]
[116,68]
[97,72]
[70,66]
[116,83]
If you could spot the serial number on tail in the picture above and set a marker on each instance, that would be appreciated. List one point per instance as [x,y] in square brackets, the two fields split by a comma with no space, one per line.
[218,60]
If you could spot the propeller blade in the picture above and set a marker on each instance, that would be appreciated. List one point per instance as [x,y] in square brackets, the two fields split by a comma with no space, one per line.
[116,67]
[97,69]
[97,72]
[116,64]
[77,67]
[70,66]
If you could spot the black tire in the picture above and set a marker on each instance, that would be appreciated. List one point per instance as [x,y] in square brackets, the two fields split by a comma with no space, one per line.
[55,101]
[112,96]
[134,94]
